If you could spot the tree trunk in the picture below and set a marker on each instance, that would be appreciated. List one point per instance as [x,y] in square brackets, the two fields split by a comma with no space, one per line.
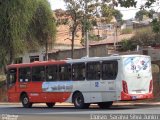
[73,37]
[11,57]
[72,46]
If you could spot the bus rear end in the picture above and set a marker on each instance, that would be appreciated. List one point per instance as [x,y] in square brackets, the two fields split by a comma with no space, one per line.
[137,80]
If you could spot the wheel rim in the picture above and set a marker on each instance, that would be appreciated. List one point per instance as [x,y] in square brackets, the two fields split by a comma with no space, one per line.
[25,100]
[78,101]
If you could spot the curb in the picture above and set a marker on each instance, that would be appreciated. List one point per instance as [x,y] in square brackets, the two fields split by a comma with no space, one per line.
[141,103]
[115,103]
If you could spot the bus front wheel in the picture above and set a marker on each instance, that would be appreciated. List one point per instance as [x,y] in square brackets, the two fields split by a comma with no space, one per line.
[50,105]
[25,101]
[78,101]
[104,105]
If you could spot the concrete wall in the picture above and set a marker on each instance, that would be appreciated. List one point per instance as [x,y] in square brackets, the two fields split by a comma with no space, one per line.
[26,57]
[94,51]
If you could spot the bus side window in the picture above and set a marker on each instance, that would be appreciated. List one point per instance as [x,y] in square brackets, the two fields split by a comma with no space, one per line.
[93,71]
[51,73]
[78,71]
[11,76]
[109,70]
[65,72]
[24,74]
[38,73]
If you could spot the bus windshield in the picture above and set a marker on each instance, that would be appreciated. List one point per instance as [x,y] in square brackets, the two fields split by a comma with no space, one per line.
[137,65]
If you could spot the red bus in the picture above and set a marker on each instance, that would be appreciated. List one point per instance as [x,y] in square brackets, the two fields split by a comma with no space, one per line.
[100,80]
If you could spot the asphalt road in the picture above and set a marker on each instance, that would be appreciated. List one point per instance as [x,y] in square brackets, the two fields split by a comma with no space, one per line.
[116,112]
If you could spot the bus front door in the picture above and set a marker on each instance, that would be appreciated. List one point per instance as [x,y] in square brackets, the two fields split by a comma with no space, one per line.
[12,85]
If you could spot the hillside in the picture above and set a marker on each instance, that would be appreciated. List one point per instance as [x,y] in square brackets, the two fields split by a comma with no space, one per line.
[63,38]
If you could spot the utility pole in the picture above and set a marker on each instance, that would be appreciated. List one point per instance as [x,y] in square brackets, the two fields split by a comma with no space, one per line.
[115,35]
[86,29]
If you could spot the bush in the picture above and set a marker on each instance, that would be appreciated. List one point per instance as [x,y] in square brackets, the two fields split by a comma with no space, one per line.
[94,37]
[128,44]
[126,31]
[142,37]
[145,37]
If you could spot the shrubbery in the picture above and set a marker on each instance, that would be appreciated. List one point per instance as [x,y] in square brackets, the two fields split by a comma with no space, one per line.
[142,37]
[126,31]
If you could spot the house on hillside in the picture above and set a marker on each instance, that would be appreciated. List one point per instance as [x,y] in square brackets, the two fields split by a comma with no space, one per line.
[107,38]
[96,48]
[102,29]
[134,24]
[127,24]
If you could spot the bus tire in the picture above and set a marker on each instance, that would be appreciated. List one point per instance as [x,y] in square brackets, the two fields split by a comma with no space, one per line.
[105,105]
[25,101]
[78,101]
[50,105]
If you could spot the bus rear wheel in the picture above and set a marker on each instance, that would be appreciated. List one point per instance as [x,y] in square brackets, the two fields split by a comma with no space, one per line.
[105,105]
[25,101]
[50,105]
[78,101]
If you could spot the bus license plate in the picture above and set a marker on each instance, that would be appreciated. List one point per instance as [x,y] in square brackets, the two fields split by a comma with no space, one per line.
[134,97]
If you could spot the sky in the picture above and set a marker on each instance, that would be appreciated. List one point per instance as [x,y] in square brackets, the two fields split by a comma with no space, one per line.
[128,13]
[56,4]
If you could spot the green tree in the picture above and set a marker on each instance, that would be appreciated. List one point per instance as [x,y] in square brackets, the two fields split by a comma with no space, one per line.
[143,37]
[73,8]
[107,13]
[140,14]
[80,11]
[151,13]
[156,29]
[127,3]
[156,26]
[128,44]
[84,13]
[118,15]
[25,24]
[131,3]
[42,28]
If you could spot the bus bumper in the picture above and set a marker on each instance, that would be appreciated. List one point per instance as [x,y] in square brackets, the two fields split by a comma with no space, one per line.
[125,96]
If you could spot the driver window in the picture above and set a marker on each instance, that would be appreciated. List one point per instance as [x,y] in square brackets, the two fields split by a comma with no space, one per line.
[11,76]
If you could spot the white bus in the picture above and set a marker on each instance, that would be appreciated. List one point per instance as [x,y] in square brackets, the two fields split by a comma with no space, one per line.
[98,80]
